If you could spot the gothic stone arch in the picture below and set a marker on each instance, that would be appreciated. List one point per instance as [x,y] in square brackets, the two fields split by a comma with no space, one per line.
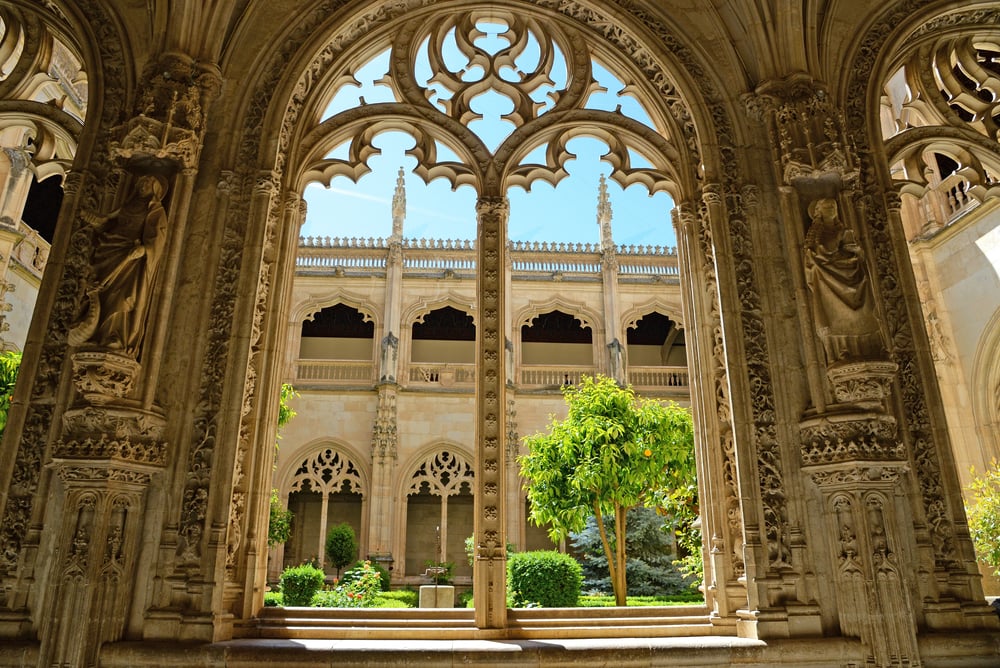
[183,431]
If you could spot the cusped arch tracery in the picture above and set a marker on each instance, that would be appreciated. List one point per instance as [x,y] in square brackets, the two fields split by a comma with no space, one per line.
[587,317]
[631,317]
[313,304]
[443,472]
[550,122]
[416,312]
[327,471]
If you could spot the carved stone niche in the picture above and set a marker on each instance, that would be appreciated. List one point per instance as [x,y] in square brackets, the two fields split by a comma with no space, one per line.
[169,119]
[102,376]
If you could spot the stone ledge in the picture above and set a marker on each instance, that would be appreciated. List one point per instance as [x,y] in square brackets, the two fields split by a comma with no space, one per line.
[965,650]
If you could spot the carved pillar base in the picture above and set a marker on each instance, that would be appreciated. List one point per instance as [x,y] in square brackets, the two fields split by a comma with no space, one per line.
[857,462]
[105,462]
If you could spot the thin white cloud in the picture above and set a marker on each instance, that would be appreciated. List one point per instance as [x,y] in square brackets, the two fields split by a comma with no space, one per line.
[359,195]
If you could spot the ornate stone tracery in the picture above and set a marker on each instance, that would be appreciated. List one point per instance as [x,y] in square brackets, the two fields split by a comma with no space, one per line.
[444,473]
[327,472]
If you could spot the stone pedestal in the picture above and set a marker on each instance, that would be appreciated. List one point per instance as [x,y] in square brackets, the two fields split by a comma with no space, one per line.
[437,596]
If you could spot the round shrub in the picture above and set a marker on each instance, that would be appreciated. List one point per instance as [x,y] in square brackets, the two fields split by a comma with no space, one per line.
[300,583]
[545,578]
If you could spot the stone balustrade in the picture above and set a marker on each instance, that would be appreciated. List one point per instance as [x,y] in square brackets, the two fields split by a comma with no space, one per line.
[530,376]
[340,254]
[443,375]
[341,372]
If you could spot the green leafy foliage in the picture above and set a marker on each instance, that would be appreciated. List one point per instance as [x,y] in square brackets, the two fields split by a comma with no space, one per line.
[10,364]
[341,545]
[279,524]
[273,599]
[688,598]
[442,572]
[300,583]
[401,598]
[650,568]
[359,567]
[983,509]
[360,591]
[285,412]
[544,577]
[611,453]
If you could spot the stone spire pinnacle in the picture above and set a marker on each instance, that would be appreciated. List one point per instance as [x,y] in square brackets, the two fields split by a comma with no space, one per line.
[399,206]
[604,215]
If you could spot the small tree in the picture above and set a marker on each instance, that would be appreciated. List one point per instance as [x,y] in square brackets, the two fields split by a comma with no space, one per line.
[279,525]
[983,509]
[10,364]
[611,453]
[341,546]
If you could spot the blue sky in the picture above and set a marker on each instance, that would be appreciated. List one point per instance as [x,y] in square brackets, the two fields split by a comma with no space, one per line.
[564,213]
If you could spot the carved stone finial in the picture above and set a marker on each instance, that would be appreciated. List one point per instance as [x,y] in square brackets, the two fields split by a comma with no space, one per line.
[604,215]
[398,207]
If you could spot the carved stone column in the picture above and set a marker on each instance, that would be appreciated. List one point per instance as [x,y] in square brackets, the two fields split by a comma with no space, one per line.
[384,454]
[718,485]
[876,483]
[107,428]
[615,360]
[489,571]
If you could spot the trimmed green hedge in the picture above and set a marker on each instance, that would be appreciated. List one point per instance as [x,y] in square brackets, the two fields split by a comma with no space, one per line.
[300,583]
[543,578]
[605,601]
[407,597]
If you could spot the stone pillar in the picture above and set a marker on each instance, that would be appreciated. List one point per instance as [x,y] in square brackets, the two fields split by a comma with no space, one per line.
[384,454]
[489,571]
[889,533]
[718,484]
[15,172]
[105,469]
[388,370]
[614,363]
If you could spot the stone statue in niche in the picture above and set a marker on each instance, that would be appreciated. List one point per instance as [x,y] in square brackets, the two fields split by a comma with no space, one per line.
[127,252]
[843,305]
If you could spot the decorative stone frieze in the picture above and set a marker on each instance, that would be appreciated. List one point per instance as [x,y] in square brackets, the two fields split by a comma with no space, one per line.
[858,438]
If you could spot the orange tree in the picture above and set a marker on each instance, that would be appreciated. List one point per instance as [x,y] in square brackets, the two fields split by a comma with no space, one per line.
[611,453]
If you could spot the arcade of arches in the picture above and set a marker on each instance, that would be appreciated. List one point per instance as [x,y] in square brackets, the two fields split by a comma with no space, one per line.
[833,295]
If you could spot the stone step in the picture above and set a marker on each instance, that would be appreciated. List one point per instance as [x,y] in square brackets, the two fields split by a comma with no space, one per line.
[634,612]
[459,623]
